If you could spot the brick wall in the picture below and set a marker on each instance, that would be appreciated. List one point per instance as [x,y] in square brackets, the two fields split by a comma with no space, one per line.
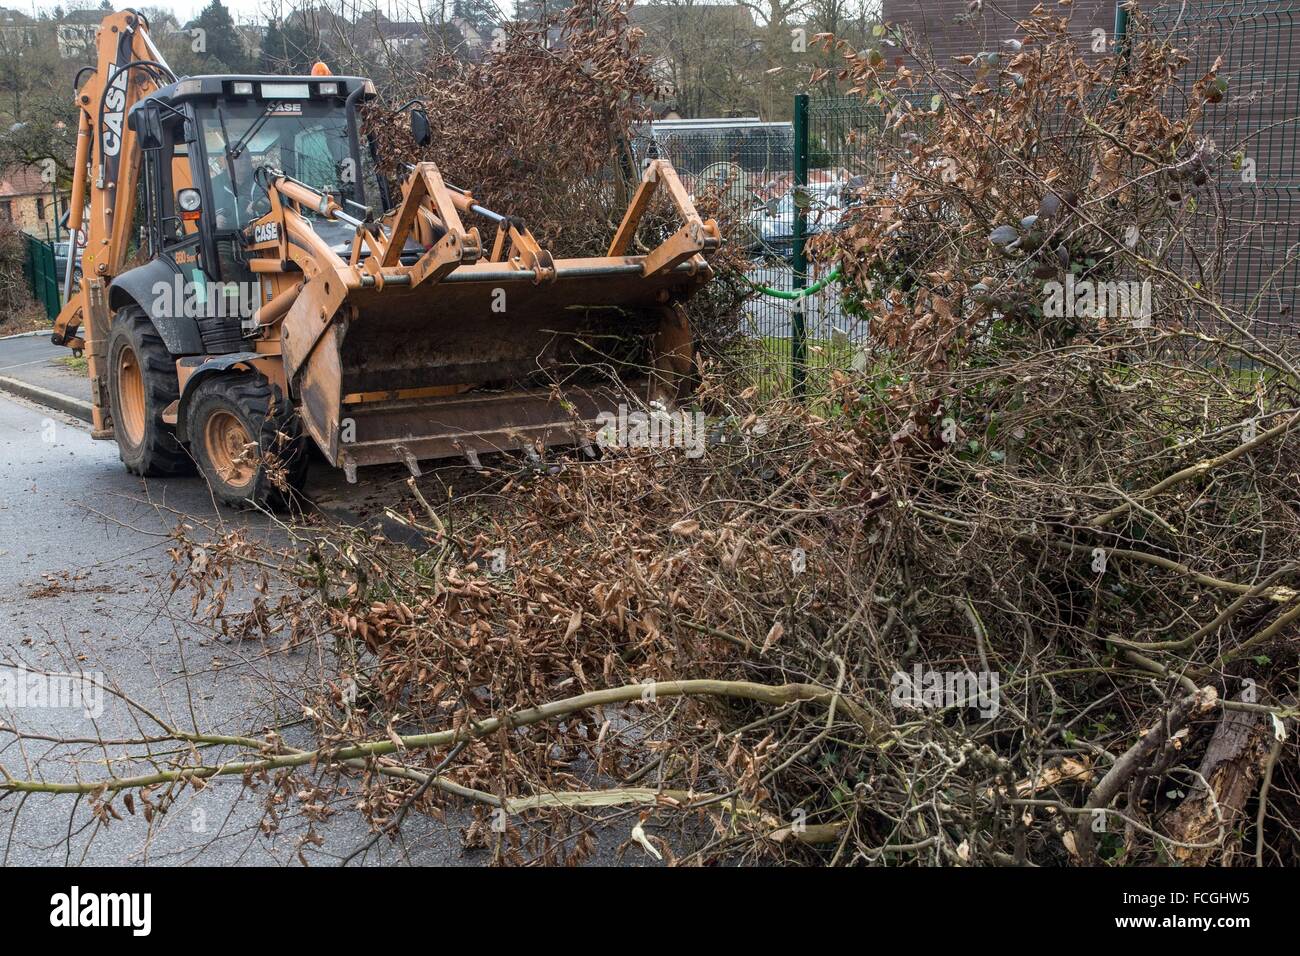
[33,214]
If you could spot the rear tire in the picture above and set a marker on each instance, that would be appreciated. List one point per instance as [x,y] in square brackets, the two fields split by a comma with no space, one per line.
[141,384]
[247,439]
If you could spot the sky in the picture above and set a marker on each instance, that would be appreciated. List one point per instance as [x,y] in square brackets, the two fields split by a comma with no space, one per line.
[241,9]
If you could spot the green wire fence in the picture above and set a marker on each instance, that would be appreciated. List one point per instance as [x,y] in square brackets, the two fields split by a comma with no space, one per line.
[793,182]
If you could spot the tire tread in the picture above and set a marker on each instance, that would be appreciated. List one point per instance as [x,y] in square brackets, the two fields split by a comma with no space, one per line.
[163,453]
[278,432]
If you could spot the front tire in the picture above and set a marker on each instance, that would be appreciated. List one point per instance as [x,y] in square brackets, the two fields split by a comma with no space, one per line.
[247,439]
[141,384]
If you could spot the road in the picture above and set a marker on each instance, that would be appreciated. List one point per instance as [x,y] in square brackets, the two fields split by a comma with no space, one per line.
[31,358]
[84,582]
[84,579]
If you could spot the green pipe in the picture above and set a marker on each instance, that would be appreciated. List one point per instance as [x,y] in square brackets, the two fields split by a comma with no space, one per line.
[795,294]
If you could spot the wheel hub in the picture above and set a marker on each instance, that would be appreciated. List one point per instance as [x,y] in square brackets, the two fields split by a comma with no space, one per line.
[227,442]
[130,397]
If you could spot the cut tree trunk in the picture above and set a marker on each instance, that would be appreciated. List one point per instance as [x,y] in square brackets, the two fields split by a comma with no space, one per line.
[1231,766]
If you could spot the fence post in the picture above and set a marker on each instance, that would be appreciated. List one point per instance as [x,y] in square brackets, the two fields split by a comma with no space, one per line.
[799,263]
[1121,29]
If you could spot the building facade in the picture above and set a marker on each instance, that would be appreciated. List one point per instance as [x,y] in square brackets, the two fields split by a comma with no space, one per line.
[30,203]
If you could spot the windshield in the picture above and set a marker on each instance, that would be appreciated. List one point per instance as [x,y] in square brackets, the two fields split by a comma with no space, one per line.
[307,141]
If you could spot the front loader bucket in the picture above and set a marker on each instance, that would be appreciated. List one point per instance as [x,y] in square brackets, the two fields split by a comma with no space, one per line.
[489,360]
[423,345]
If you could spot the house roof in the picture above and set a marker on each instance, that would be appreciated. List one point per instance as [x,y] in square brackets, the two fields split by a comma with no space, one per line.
[22,181]
[84,17]
[398,30]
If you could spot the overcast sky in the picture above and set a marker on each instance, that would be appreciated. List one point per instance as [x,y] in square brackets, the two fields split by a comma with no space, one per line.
[241,9]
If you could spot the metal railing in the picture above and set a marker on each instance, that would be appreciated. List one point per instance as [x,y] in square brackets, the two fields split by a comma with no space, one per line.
[42,275]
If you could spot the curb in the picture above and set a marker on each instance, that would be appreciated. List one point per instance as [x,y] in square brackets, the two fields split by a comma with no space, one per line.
[75,407]
[26,335]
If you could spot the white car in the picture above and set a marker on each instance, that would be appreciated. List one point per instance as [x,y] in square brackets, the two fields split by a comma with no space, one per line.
[772,224]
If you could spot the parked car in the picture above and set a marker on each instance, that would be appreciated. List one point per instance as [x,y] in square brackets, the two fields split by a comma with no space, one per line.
[771,226]
[61,262]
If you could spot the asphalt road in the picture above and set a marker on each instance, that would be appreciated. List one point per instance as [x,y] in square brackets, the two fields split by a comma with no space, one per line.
[31,358]
[84,579]
[84,582]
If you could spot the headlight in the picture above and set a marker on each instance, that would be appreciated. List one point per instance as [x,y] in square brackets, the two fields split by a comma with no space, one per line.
[189,200]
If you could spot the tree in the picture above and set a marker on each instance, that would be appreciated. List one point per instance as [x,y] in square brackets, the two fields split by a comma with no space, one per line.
[850,20]
[709,53]
[38,120]
[483,15]
[288,47]
[537,11]
[222,49]
[273,50]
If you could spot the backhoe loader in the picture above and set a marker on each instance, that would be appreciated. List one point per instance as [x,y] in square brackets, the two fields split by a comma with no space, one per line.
[250,282]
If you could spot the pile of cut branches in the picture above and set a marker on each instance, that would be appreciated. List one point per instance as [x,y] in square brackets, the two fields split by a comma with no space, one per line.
[536,126]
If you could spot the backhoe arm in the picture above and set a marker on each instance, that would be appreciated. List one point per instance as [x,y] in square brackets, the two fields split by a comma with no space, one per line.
[104,179]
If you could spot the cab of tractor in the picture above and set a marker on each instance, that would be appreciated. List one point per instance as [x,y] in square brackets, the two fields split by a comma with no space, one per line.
[184,328]
[205,142]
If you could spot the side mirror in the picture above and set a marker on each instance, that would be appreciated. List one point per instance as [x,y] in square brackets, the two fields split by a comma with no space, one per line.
[148,124]
[420,131]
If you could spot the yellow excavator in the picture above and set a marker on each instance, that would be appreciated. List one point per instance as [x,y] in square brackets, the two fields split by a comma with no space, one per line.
[251,282]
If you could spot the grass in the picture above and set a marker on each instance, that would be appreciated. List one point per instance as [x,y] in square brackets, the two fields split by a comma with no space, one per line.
[76,363]
[768,362]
